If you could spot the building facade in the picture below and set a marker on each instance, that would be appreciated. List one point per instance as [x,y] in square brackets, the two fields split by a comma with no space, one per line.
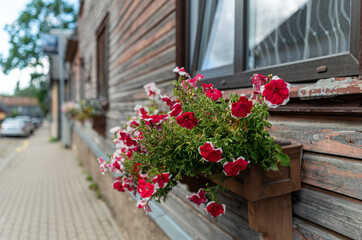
[124,44]
[21,106]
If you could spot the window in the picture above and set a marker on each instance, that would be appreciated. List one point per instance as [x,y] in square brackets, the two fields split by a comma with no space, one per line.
[298,40]
[102,60]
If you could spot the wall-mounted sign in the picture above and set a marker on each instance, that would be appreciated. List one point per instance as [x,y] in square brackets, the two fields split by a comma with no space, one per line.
[49,44]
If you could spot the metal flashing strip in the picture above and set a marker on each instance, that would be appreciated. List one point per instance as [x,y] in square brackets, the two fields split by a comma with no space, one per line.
[161,218]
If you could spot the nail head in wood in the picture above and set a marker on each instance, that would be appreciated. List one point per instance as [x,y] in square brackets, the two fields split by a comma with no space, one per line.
[321,69]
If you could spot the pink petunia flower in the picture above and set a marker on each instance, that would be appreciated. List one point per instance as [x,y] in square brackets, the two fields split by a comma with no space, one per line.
[215,209]
[241,108]
[214,94]
[145,189]
[162,179]
[187,120]
[209,153]
[198,198]
[176,110]
[144,205]
[152,91]
[207,87]
[102,165]
[258,81]
[234,168]
[276,92]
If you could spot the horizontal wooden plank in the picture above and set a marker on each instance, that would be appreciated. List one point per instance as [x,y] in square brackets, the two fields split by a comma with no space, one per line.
[303,229]
[341,175]
[339,214]
[123,42]
[323,135]
[234,222]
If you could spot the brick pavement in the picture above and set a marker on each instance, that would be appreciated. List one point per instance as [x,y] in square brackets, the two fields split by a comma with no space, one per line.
[44,195]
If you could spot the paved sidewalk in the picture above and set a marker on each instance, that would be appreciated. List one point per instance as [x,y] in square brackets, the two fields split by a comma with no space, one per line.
[44,195]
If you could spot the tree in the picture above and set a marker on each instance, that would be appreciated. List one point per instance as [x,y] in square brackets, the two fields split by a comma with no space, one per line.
[39,16]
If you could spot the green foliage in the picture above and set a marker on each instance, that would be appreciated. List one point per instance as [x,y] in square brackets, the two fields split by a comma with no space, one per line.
[53,139]
[39,16]
[40,92]
[94,186]
[84,109]
[174,149]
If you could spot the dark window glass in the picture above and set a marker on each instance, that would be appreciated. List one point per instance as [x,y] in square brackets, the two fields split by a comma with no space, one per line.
[286,31]
[229,40]
[102,60]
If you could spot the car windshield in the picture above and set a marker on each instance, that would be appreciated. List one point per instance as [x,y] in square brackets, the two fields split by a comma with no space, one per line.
[11,121]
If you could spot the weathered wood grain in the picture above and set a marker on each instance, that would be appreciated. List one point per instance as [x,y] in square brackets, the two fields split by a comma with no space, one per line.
[341,175]
[272,217]
[304,230]
[323,135]
[339,214]
[234,222]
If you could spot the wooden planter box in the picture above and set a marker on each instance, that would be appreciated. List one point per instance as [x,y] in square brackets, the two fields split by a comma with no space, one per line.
[255,183]
[99,124]
[268,194]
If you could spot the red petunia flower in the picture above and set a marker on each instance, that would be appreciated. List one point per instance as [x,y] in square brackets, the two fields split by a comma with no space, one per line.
[152,91]
[161,179]
[187,120]
[117,184]
[181,71]
[114,167]
[136,168]
[214,94]
[234,168]
[198,198]
[209,153]
[126,139]
[241,108]
[145,189]
[176,110]
[276,92]
[127,183]
[158,119]
[258,81]
[215,209]
[102,165]
[144,205]
[207,87]
[141,111]
[255,97]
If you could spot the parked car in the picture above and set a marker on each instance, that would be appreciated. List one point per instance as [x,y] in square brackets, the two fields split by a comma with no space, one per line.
[15,127]
[36,121]
[28,120]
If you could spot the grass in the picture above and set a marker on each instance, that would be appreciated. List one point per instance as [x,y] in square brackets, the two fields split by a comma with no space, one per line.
[94,186]
[53,139]
[89,178]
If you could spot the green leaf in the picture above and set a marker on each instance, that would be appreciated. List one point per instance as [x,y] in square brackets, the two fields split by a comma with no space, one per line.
[278,148]
[274,167]
[255,156]
[283,159]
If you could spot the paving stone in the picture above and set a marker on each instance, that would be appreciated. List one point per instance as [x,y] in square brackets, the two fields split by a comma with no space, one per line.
[44,195]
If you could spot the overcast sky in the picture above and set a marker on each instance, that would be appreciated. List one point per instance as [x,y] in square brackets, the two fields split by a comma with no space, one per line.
[9,11]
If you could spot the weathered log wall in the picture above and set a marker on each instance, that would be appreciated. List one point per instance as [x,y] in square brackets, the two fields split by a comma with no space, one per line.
[142,48]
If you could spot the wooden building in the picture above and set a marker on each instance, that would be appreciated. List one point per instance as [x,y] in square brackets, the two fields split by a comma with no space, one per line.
[313,44]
